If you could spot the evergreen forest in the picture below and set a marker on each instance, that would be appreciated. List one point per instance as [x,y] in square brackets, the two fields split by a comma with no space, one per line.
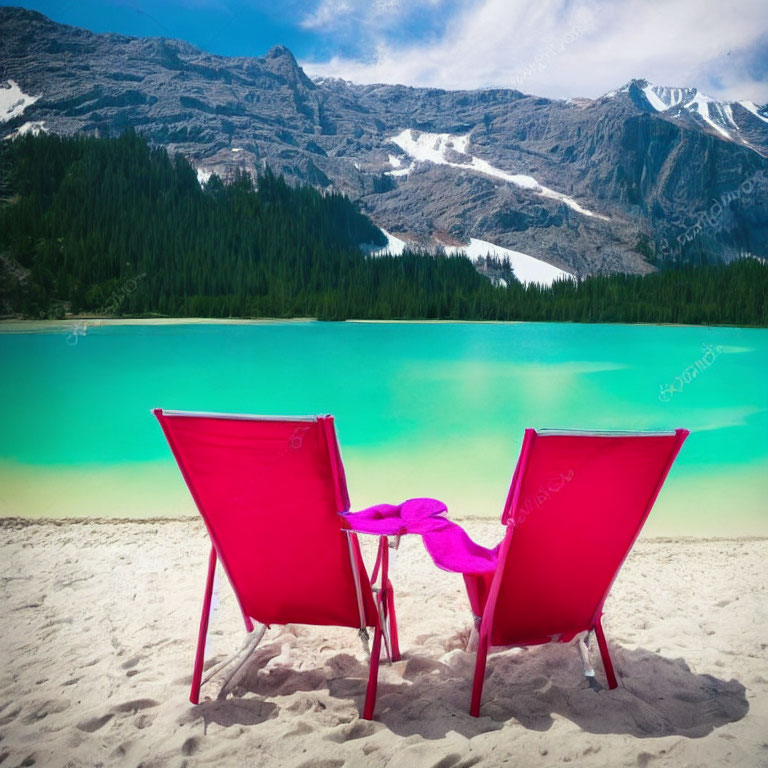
[116,227]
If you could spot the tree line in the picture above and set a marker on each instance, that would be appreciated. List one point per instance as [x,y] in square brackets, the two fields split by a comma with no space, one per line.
[117,227]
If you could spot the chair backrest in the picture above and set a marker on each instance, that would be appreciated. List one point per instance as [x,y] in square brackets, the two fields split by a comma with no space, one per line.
[270,490]
[576,505]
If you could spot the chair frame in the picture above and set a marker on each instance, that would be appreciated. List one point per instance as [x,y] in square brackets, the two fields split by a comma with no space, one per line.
[486,623]
[385,627]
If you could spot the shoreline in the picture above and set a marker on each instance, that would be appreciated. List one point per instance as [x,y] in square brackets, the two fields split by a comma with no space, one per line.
[20,326]
[8,325]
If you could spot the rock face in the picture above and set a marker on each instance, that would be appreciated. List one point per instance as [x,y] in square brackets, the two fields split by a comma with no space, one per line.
[604,185]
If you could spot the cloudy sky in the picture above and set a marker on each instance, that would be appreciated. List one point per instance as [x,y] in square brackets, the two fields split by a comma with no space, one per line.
[555,48]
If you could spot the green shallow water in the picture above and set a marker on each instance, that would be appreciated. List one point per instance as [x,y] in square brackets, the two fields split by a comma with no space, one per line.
[421,409]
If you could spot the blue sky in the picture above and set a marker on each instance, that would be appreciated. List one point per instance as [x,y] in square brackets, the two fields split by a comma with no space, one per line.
[555,48]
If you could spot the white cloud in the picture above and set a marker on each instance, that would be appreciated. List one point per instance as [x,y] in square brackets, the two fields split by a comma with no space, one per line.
[355,14]
[328,12]
[559,48]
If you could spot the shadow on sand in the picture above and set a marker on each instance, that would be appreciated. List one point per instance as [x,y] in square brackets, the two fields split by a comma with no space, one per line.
[421,695]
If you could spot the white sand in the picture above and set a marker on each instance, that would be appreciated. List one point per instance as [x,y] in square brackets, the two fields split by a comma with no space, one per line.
[100,622]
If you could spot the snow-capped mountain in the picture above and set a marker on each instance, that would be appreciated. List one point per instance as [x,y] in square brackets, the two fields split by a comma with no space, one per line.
[737,121]
[580,186]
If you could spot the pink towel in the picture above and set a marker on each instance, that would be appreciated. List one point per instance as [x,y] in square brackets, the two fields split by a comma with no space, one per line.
[448,544]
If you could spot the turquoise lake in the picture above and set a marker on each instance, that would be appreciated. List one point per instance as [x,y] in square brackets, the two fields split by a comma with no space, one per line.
[432,409]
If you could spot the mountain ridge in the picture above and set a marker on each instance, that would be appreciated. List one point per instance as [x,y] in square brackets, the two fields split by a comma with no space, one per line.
[528,165]
[689,102]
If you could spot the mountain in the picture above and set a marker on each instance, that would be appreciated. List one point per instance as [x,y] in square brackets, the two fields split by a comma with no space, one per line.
[615,184]
[740,121]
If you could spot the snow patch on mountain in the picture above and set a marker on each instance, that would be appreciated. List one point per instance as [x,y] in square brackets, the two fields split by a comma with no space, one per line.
[13,101]
[662,98]
[397,164]
[527,269]
[395,246]
[716,114]
[34,127]
[447,149]
[750,106]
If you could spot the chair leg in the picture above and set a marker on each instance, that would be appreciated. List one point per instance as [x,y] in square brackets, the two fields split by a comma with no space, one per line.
[605,656]
[393,641]
[249,647]
[477,685]
[197,674]
[381,605]
[582,646]
[373,676]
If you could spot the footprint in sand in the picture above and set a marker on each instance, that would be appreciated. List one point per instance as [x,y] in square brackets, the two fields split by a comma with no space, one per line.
[121,750]
[135,705]
[44,708]
[190,746]
[9,717]
[92,725]
[143,721]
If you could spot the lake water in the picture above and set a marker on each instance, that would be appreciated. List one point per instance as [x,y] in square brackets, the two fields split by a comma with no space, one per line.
[421,409]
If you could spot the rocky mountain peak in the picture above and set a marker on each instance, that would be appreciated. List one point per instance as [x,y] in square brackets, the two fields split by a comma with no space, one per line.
[14,13]
[280,51]
[281,62]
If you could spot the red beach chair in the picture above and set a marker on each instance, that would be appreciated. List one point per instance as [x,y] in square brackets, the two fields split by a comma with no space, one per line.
[575,507]
[270,491]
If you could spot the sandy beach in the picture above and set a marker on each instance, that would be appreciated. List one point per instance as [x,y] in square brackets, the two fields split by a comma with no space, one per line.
[101,622]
